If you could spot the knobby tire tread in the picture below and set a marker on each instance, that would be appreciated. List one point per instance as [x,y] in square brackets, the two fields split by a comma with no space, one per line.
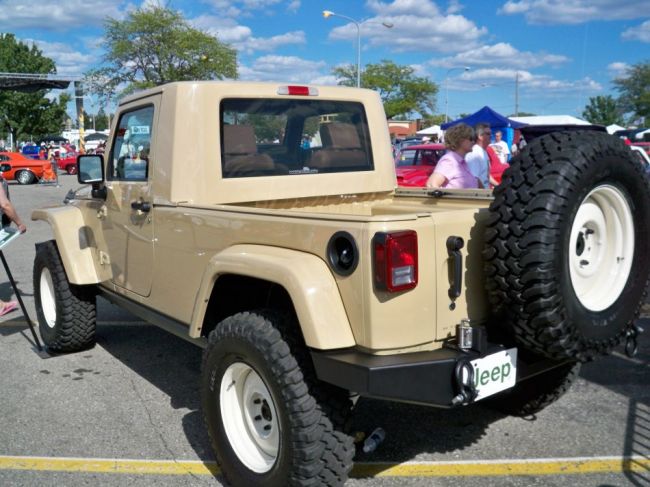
[76,320]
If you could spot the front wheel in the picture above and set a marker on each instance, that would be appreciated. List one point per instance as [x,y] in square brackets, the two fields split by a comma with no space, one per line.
[71,169]
[66,312]
[268,424]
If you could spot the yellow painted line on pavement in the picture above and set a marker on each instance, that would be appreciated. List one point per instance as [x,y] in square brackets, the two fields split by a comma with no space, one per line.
[100,465]
[506,468]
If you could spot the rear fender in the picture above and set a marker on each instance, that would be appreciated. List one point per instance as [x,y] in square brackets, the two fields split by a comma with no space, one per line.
[305,277]
[75,243]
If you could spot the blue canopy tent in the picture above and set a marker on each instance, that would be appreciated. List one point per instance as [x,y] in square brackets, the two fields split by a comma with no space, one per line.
[494,119]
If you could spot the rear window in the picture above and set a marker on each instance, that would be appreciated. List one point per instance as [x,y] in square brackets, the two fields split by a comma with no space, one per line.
[292,137]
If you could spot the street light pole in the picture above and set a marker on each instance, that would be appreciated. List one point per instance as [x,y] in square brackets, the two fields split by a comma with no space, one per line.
[357,24]
[466,68]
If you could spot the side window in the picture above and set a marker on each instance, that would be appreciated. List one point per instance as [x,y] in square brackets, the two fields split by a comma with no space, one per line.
[129,159]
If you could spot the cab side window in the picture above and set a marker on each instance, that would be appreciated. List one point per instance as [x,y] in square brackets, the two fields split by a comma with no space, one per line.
[129,158]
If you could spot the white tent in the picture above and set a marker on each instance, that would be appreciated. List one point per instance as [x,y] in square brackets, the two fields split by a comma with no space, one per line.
[433,130]
[613,128]
[551,120]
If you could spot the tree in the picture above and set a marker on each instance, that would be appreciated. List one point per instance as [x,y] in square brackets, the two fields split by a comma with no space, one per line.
[634,89]
[602,110]
[28,114]
[400,90]
[153,46]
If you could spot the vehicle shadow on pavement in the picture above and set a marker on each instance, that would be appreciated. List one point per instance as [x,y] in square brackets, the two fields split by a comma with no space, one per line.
[412,430]
[630,378]
[167,362]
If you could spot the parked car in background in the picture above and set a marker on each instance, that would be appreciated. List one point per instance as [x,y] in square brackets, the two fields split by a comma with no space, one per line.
[642,145]
[68,163]
[642,156]
[23,169]
[414,164]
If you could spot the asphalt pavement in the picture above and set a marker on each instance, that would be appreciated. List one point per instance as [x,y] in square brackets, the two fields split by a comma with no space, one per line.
[127,411]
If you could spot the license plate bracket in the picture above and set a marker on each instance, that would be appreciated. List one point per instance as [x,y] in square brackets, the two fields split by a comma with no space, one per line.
[495,372]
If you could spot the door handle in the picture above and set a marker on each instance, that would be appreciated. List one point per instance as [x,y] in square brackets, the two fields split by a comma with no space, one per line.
[454,245]
[143,206]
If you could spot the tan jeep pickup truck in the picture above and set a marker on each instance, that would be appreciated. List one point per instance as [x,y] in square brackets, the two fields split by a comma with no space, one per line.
[261,221]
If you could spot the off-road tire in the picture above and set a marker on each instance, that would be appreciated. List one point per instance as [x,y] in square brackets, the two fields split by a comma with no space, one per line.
[530,262]
[67,314]
[314,448]
[531,396]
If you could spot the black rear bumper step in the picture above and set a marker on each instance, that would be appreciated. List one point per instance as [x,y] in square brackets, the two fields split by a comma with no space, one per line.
[422,377]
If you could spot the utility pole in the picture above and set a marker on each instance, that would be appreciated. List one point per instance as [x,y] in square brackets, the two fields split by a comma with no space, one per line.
[516,93]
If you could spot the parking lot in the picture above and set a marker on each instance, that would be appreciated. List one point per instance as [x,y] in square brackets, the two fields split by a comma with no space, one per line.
[127,412]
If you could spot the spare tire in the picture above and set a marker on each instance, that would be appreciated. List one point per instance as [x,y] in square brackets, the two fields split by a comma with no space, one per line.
[567,245]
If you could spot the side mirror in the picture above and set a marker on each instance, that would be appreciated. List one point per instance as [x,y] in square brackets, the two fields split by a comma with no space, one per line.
[5,167]
[90,169]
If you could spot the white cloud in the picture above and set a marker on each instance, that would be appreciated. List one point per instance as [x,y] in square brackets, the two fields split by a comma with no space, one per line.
[418,25]
[501,55]
[290,69]
[618,69]
[638,33]
[235,8]
[68,61]
[528,82]
[454,7]
[575,11]
[241,36]
[57,16]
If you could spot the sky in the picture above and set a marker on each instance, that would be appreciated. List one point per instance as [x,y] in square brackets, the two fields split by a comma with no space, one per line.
[553,54]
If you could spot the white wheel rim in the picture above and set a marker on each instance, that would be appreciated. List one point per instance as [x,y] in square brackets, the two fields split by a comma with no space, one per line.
[249,417]
[48,302]
[601,248]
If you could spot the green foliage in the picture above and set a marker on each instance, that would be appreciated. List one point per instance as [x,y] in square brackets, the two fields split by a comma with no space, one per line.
[28,115]
[153,46]
[602,110]
[634,89]
[400,90]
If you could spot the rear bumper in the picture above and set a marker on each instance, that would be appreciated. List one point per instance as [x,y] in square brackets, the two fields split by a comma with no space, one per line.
[428,378]
[421,377]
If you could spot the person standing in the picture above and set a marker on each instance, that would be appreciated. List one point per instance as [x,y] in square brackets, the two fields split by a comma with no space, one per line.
[477,160]
[501,147]
[9,214]
[451,170]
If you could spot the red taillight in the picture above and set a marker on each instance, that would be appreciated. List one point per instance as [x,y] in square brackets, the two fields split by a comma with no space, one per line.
[297,90]
[396,260]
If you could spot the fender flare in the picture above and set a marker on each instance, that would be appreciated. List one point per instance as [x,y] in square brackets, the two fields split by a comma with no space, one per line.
[305,277]
[70,234]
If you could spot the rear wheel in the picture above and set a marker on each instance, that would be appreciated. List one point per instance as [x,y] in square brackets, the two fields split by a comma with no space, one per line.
[25,177]
[66,312]
[71,169]
[269,422]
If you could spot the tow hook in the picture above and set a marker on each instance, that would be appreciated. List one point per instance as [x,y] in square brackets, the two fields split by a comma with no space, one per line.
[464,383]
[631,342]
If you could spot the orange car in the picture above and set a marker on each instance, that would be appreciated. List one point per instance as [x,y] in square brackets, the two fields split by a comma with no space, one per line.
[23,169]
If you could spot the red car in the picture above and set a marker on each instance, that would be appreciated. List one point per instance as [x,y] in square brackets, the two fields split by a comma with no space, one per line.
[415,163]
[23,169]
[68,163]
